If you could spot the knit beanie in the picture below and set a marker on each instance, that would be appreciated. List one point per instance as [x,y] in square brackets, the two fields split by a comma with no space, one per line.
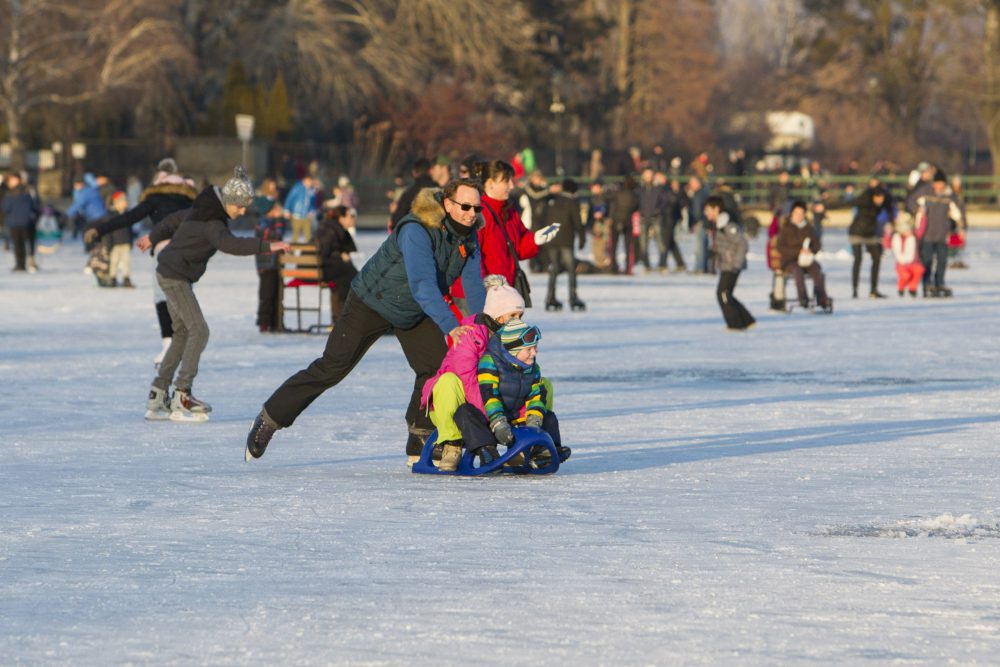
[501,298]
[512,332]
[238,190]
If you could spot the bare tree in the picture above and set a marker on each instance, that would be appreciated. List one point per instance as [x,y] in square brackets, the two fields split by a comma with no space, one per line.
[73,52]
[990,104]
[671,70]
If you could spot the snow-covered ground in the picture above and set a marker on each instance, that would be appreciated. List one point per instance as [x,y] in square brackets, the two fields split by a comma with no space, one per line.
[819,489]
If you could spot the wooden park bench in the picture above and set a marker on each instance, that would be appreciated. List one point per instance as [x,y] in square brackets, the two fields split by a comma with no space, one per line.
[302,269]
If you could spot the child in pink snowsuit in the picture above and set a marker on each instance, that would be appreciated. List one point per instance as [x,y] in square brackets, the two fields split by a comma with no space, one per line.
[456,381]
[909,269]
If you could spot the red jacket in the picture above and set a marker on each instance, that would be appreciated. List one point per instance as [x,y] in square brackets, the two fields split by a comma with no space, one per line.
[496,257]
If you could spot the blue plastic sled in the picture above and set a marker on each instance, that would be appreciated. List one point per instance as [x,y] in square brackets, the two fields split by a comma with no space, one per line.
[524,439]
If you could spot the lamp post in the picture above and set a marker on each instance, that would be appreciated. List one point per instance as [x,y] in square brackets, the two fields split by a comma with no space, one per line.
[558,109]
[244,130]
[78,151]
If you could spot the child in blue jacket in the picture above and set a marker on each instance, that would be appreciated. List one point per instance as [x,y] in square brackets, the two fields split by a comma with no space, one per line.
[513,392]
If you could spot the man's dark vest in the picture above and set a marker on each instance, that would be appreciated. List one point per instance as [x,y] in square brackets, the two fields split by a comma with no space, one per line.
[384,286]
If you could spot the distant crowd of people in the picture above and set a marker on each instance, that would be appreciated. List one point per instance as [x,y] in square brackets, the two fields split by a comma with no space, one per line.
[448,282]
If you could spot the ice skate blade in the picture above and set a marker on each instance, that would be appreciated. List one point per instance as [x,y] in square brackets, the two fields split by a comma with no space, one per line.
[156,416]
[247,456]
[190,418]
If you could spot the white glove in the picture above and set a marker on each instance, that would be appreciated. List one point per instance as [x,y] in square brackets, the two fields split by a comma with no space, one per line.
[546,234]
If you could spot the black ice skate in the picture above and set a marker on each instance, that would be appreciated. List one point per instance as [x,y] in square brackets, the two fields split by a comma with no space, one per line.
[553,305]
[261,432]
[576,304]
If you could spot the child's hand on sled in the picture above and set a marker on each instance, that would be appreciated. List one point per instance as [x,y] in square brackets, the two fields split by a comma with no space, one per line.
[533,421]
[280,246]
[502,431]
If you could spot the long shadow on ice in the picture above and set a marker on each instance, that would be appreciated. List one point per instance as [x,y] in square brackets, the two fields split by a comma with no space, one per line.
[590,458]
[875,387]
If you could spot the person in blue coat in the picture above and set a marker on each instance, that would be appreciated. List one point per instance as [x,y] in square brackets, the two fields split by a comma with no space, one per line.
[87,205]
[18,210]
[301,206]
[401,289]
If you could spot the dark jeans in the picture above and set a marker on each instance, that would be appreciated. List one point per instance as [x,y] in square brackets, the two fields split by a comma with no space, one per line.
[875,250]
[734,312]
[623,232]
[934,254]
[654,223]
[476,431]
[561,259]
[357,329]
[19,237]
[670,241]
[268,294]
[163,315]
[815,272]
[341,273]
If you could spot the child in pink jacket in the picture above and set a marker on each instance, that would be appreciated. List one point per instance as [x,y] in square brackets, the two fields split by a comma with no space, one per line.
[909,269]
[456,382]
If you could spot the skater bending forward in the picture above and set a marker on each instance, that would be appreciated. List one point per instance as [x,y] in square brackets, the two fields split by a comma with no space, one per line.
[456,384]
[400,289]
[731,253]
[195,235]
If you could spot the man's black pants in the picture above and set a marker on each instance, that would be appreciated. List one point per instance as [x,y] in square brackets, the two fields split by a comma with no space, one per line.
[356,330]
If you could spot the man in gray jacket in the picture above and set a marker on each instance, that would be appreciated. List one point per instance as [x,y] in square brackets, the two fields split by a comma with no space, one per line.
[195,235]
[937,211]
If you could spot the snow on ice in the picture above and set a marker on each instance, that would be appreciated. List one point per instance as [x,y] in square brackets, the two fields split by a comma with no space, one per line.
[720,505]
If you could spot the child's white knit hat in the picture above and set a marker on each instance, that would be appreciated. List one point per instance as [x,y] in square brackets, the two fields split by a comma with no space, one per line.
[501,298]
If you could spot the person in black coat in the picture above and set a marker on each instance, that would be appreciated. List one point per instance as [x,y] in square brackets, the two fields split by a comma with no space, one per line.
[624,203]
[335,247]
[563,208]
[863,232]
[169,192]
[195,236]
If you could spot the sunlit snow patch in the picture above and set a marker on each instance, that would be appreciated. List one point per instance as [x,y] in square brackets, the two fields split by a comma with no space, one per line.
[946,525]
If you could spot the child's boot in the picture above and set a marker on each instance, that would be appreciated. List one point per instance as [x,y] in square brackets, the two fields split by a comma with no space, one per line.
[451,455]
[487,454]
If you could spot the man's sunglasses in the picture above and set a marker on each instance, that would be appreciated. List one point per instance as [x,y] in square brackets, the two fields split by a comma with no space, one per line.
[466,207]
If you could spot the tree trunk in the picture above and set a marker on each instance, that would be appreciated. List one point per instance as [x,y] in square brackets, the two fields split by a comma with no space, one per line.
[13,121]
[622,65]
[990,107]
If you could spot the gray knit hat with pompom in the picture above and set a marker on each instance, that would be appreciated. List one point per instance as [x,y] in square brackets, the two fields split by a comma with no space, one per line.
[238,190]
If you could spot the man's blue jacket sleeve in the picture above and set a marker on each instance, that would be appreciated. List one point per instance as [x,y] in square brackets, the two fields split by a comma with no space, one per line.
[421,273]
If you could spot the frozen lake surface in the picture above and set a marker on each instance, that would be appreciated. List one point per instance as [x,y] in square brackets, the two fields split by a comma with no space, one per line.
[819,489]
